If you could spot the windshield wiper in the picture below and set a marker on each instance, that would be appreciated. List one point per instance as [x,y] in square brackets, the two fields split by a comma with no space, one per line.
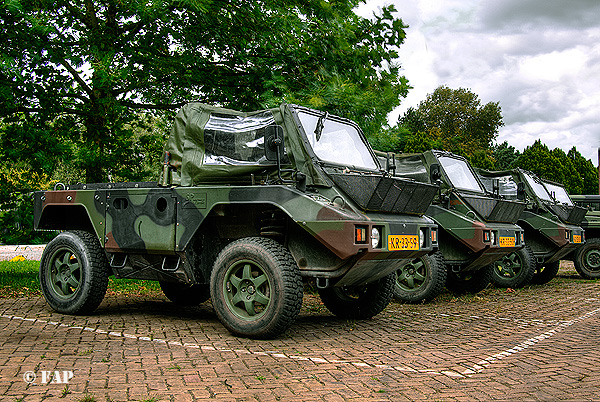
[320,125]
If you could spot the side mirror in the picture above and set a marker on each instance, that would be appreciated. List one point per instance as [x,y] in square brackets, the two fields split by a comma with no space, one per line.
[435,172]
[274,143]
[521,191]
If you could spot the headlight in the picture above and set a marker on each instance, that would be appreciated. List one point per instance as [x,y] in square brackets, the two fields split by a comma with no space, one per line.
[421,238]
[493,237]
[375,237]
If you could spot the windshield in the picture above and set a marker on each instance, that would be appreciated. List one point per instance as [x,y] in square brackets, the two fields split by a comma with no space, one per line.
[538,188]
[559,193]
[338,142]
[507,186]
[460,174]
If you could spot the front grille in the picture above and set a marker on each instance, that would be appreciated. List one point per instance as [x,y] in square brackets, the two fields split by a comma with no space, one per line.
[386,194]
[568,213]
[495,210]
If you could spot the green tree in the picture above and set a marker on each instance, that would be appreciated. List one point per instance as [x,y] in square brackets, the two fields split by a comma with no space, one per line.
[456,120]
[576,173]
[504,156]
[391,139]
[569,176]
[586,170]
[422,141]
[459,114]
[538,158]
[76,72]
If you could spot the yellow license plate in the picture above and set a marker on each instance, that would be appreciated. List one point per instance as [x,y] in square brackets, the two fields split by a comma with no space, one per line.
[507,241]
[576,238]
[403,242]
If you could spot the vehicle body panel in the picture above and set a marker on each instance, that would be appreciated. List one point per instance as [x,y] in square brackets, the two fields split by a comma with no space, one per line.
[550,237]
[217,185]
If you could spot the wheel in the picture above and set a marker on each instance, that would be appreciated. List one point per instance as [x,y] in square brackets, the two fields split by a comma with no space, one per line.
[185,295]
[470,281]
[587,259]
[256,288]
[545,273]
[514,270]
[421,280]
[359,302]
[74,273]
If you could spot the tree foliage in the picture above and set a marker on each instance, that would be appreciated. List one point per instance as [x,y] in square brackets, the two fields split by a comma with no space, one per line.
[454,120]
[459,115]
[586,170]
[577,174]
[73,74]
[504,156]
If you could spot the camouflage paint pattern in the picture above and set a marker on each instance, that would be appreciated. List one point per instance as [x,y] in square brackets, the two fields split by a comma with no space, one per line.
[462,228]
[136,221]
[591,221]
[549,238]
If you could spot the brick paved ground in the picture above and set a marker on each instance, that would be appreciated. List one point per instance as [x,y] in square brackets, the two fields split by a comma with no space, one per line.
[539,343]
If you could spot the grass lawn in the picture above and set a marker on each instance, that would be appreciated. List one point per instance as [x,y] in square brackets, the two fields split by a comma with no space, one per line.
[20,278]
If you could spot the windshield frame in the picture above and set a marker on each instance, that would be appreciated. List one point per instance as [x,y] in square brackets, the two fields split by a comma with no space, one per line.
[563,198]
[536,184]
[480,187]
[325,117]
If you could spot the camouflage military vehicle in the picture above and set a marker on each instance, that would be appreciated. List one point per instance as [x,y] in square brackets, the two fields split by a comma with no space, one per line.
[475,230]
[550,221]
[587,257]
[247,205]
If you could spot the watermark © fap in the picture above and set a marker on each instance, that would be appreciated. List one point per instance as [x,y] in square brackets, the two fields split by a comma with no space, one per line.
[48,377]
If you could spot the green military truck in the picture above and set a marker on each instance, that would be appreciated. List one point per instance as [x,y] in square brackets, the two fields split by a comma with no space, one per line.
[475,229]
[550,222]
[247,206]
[587,257]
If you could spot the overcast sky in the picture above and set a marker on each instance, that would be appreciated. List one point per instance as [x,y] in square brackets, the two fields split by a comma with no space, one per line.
[539,58]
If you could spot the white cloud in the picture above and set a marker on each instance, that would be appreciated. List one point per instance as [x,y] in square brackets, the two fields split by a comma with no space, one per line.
[539,58]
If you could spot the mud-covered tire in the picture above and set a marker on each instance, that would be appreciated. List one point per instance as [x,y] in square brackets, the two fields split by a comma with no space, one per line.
[74,273]
[421,280]
[256,288]
[587,259]
[514,270]
[359,302]
[185,295]
[545,273]
[470,281]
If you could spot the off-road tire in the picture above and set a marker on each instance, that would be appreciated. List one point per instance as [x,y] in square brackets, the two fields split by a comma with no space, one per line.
[359,302]
[256,288]
[470,281]
[421,280]
[185,295]
[514,270]
[74,272]
[545,273]
[587,259]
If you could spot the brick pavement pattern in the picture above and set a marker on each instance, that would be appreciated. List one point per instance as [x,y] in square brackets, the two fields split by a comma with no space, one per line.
[537,343]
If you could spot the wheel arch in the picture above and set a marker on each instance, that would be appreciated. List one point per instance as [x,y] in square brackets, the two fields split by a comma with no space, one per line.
[67,217]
